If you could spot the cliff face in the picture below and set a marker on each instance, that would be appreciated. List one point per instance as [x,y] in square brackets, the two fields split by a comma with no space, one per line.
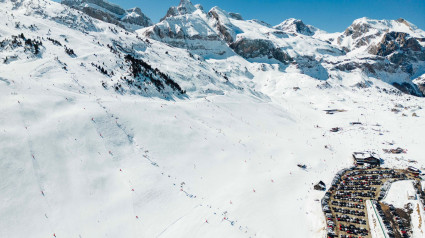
[258,48]
[132,19]
[420,82]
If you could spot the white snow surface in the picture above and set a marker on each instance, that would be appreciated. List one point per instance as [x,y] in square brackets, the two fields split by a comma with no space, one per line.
[78,160]
[398,193]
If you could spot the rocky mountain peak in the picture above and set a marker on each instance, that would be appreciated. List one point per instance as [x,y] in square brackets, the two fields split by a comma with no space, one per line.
[357,29]
[136,17]
[364,31]
[199,6]
[236,16]
[135,10]
[293,25]
[185,7]
[220,20]
[365,25]
[406,23]
[185,3]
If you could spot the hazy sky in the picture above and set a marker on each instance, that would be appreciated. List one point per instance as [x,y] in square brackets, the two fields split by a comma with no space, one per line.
[328,15]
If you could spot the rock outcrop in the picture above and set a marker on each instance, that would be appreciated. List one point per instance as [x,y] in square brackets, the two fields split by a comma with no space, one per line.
[220,20]
[395,41]
[132,19]
[258,48]
[401,50]
[420,83]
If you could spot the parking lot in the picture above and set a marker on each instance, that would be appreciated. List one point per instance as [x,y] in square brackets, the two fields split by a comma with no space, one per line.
[344,204]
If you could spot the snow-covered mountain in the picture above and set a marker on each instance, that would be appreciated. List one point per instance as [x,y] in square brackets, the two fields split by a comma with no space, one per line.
[392,51]
[132,19]
[296,26]
[364,33]
[185,7]
[193,126]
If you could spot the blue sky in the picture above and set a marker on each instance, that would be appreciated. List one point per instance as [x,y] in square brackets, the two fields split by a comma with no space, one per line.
[328,15]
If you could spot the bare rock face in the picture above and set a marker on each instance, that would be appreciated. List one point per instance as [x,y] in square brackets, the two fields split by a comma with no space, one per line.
[361,34]
[101,15]
[408,88]
[308,65]
[395,41]
[357,30]
[401,50]
[132,19]
[236,16]
[256,48]
[420,83]
[160,32]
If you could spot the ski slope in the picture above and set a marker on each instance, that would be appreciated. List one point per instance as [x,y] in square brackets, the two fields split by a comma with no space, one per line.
[79,160]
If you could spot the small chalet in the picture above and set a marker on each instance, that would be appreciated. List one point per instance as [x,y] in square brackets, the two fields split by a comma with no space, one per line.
[414,170]
[366,159]
[321,186]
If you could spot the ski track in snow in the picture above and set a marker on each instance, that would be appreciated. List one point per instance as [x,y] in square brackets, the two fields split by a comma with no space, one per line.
[35,165]
[110,121]
[126,136]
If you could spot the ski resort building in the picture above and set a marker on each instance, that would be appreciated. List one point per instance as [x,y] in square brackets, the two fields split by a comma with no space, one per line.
[366,159]
[414,170]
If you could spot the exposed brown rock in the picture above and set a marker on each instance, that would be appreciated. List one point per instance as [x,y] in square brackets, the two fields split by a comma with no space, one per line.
[249,48]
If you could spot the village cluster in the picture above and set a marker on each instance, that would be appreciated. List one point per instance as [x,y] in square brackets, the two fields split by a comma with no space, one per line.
[344,204]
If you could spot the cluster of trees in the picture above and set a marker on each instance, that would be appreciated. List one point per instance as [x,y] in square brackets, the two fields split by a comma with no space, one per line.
[33,27]
[102,70]
[140,68]
[32,45]
[118,87]
[70,51]
[223,75]
[113,30]
[55,42]
[112,49]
